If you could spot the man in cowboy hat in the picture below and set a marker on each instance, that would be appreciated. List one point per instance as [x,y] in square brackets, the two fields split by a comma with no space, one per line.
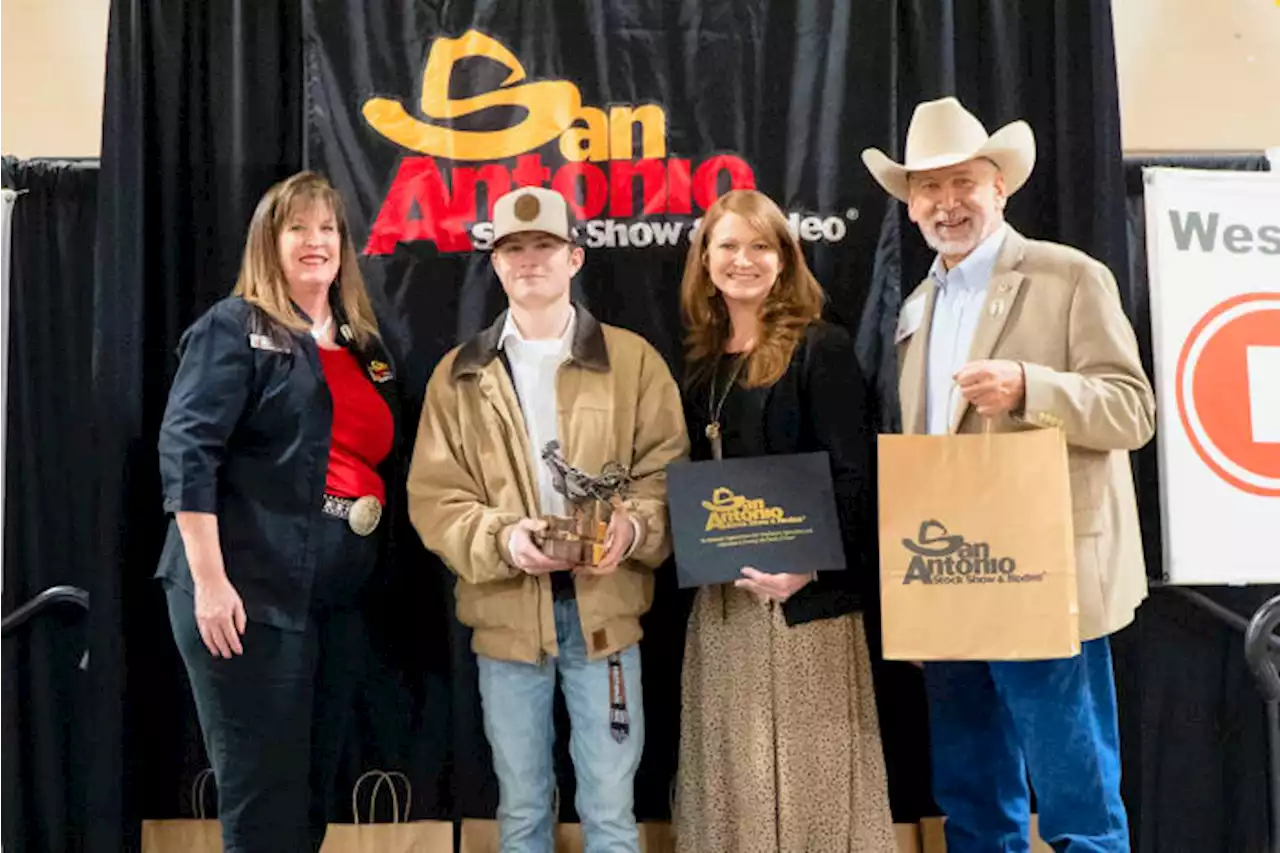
[1023,334]
[547,377]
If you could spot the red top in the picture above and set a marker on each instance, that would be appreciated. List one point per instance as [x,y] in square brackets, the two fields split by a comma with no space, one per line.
[362,428]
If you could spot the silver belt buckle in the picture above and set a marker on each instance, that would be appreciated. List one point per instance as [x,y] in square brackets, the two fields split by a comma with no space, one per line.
[364,515]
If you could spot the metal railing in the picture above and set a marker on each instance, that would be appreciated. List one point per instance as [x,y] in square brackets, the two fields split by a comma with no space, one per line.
[41,603]
[1261,648]
[52,596]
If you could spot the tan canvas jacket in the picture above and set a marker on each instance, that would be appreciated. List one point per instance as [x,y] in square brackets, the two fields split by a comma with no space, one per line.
[472,477]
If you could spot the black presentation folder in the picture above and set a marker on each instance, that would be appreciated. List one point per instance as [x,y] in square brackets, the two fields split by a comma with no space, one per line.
[773,513]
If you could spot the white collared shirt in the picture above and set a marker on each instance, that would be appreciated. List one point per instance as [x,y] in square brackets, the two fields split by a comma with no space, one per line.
[956,309]
[534,367]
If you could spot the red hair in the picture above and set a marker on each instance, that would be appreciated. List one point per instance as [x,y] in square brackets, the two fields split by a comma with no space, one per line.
[794,302]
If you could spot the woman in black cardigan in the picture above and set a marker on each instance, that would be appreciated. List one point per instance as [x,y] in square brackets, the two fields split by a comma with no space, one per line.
[780,746]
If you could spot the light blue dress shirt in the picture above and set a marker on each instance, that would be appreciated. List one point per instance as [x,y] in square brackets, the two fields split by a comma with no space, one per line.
[956,309]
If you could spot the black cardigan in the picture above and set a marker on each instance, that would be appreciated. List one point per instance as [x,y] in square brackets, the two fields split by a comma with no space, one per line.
[818,404]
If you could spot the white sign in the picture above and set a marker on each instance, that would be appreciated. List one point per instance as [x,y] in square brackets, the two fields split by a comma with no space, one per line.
[1213,254]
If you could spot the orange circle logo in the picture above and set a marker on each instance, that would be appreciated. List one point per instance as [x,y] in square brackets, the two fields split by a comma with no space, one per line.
[1228,390]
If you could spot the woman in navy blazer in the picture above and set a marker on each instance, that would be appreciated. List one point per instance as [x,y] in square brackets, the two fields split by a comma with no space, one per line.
[276,457]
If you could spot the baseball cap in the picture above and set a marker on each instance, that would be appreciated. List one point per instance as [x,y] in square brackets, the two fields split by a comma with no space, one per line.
[532,209]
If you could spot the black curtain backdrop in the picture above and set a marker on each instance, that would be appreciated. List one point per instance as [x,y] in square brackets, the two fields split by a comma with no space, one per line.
[797,91]
[202,112]
[48,509]
[207,104]
[772,83]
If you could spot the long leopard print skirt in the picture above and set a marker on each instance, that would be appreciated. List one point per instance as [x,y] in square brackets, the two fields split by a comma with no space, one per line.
[779,740]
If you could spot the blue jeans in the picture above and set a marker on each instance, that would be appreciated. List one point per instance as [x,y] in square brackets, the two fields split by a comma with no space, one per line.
[517,700]
[993,723]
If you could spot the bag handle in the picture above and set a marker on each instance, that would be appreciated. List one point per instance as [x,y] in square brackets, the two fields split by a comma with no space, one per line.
[955,399]
[388,778]
[199,786]
[401,816]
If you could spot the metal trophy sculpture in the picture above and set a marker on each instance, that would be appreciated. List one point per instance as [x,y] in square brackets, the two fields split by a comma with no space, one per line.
[579,538]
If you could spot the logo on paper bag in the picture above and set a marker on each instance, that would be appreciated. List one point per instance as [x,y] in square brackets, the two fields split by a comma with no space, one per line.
[939,557]
[727,511]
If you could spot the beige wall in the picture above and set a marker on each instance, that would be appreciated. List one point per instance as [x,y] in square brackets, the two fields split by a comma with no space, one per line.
[1194,75]
[1198,74]
[52,60]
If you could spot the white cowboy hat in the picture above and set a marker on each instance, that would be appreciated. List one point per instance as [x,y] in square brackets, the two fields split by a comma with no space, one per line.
[943,133]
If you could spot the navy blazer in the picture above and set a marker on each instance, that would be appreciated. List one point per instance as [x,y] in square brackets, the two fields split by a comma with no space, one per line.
[246,436]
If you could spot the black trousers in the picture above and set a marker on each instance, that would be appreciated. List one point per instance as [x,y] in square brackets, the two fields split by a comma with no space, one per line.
[274,718]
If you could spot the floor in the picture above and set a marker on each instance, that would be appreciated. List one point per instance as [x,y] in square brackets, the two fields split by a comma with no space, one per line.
[926,837]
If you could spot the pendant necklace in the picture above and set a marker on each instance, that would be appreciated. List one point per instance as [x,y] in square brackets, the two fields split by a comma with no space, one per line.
[713,430]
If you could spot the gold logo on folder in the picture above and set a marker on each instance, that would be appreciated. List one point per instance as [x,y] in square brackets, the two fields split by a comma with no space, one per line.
[729,511]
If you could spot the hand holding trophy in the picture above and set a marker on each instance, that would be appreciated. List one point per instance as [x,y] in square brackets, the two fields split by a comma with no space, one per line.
[585,537]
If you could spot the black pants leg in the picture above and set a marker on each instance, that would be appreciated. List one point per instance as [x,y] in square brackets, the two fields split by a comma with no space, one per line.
[342,643]
[255,713]
[342,570]
[275,718]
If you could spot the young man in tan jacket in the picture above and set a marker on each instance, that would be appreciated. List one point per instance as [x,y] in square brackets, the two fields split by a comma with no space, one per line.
[545,371]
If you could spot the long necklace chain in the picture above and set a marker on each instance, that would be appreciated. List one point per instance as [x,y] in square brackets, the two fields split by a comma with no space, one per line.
[714,433]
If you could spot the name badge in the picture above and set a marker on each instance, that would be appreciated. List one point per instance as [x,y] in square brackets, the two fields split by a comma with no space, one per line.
[909,319]
[264,342]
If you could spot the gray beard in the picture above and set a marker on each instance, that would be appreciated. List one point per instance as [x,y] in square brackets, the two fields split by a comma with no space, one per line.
[950,248]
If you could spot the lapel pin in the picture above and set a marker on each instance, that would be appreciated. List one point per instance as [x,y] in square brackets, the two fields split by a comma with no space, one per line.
[997,307]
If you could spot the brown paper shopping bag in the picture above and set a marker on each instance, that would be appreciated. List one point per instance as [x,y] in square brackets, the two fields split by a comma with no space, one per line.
[401,836]
[201,835]
[977,560]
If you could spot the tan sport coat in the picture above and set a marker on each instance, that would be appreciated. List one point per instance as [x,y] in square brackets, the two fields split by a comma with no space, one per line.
[1058,312]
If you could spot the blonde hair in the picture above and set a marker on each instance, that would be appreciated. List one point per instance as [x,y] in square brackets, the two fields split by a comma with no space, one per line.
[262,281]
[794,302]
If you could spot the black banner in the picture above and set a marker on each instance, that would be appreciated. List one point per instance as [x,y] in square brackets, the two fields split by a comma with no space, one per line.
[642,115]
